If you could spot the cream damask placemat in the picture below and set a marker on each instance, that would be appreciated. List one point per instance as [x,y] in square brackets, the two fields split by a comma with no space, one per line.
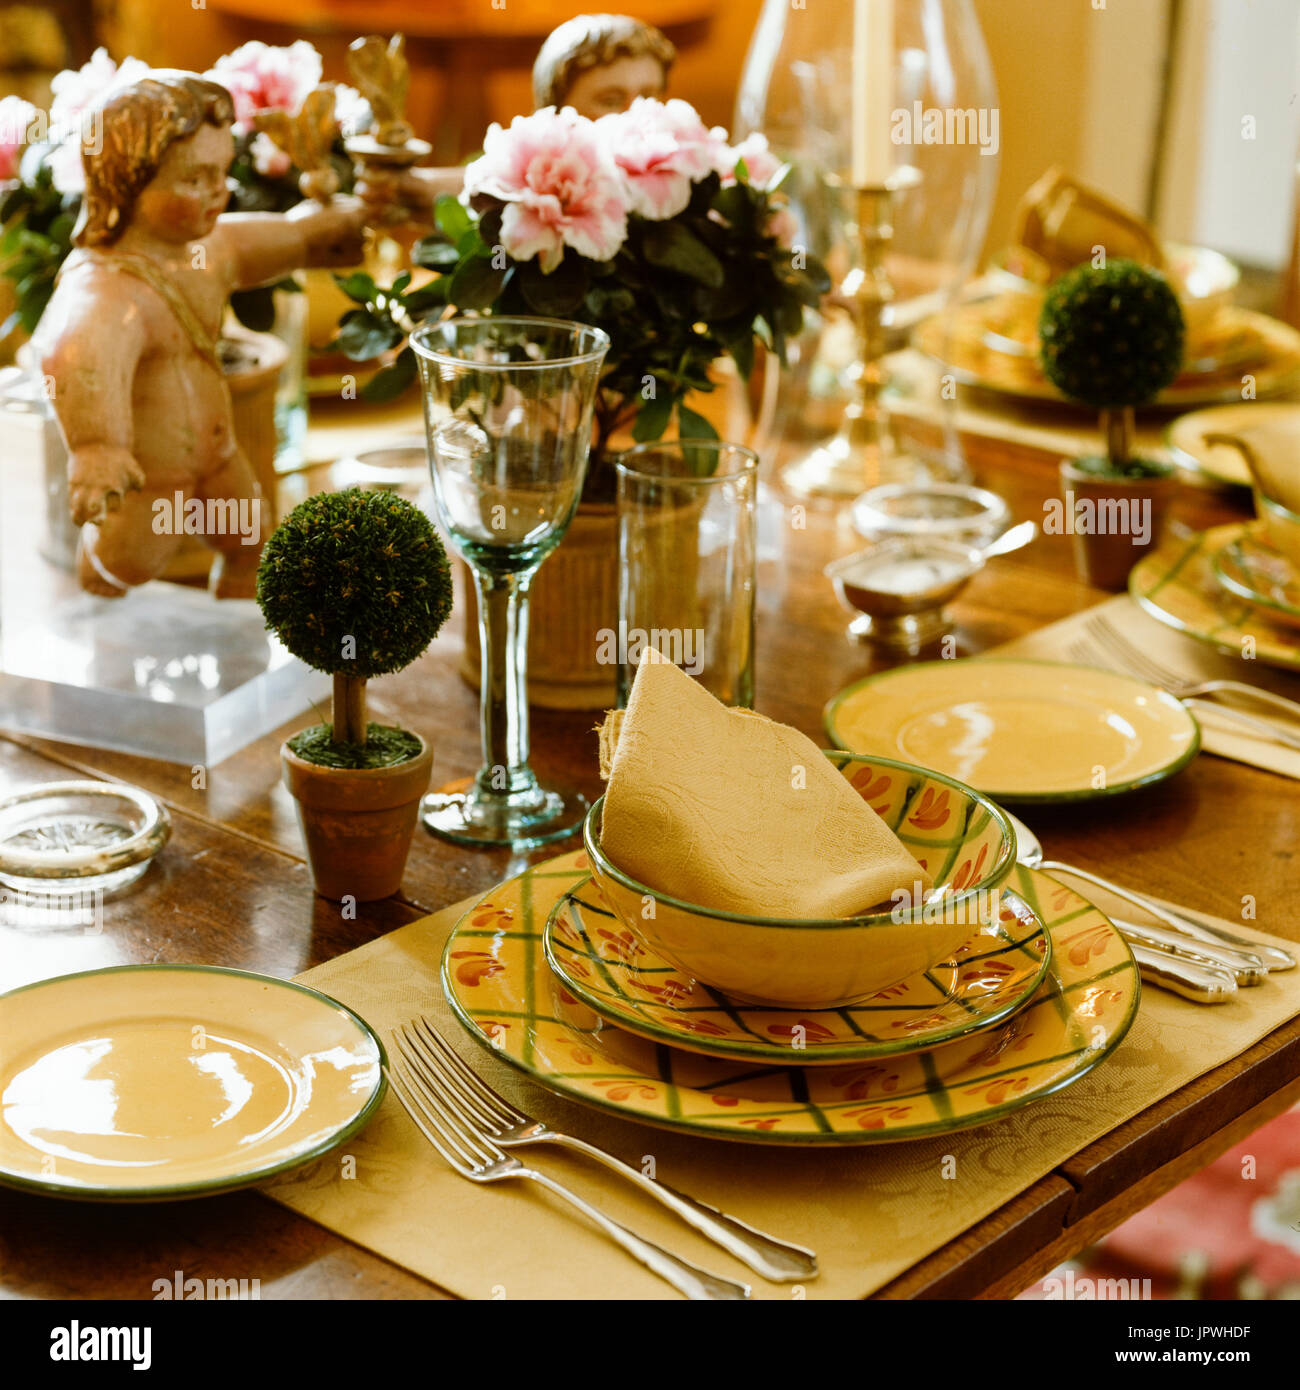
[870,1213]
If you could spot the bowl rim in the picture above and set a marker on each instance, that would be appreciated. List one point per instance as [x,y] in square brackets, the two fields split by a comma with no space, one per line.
[997,874]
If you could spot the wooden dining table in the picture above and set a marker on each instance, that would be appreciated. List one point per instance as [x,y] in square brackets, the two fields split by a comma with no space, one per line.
[232,888]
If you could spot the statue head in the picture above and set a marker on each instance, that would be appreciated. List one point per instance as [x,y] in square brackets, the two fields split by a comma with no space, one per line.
[598,63]
[157,153]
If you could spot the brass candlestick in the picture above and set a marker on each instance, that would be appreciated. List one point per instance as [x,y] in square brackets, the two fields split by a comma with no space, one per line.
[864,452]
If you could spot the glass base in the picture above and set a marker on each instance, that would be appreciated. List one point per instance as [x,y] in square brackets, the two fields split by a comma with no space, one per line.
[908,633]
[461,813]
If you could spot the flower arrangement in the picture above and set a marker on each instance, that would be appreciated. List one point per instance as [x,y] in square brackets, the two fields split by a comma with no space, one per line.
[645,223]
[40,154]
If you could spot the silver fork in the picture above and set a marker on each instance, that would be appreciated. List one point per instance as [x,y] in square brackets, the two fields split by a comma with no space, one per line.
[495,1117]
[474,1156]
[1118,651]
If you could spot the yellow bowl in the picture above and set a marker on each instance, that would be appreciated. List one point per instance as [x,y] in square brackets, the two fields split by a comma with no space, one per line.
[964,841]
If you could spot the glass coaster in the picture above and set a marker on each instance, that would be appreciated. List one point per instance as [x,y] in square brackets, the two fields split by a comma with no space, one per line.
[64,839]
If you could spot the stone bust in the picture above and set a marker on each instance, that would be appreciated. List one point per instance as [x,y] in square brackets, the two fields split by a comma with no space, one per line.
[599,63]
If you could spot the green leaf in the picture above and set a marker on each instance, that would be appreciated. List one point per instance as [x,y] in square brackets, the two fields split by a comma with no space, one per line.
[652,419]
[741,349]
[427,297]
[389,382]
[434,254]
[364,336]
[358,286]
[452,217]
[399,285]
[672,247]
[558,294]
[693,425]
[476,284]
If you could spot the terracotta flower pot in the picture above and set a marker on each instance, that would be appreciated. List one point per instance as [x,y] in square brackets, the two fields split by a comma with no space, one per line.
[357,822]
[1104,514]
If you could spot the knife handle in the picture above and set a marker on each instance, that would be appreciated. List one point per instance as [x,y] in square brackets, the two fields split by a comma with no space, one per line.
[1200,983]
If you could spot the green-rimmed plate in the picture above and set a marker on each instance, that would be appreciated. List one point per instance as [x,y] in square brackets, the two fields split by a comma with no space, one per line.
[988,978]
[150,1082]
[1177,585]
[497,981]
[1185,437]
[1017,730]
[1250,568]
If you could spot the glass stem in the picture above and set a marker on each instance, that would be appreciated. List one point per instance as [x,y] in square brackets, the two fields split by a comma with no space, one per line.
[503,655]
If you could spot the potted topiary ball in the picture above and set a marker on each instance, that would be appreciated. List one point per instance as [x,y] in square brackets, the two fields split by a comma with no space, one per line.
[356,584]
[1112,337]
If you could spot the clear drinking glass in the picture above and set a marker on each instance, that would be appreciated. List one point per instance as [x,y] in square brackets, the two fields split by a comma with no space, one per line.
[508,409]
[688,534]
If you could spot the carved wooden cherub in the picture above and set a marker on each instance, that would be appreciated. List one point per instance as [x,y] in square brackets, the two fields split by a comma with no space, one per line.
[600,63]
[130,338]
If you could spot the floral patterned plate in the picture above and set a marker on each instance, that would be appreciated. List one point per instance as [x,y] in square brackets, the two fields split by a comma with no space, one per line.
[1177,585]
[1250,568]
[602,965]
[498,983]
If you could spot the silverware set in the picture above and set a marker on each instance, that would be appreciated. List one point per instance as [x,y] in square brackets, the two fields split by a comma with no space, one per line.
[472,1126]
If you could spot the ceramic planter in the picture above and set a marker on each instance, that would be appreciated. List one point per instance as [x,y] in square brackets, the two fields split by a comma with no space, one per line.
[357,822]
[1102,512]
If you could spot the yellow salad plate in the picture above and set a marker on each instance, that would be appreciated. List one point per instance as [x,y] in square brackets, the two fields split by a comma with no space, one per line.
[1177,584]
[605,967]
[498,983]
[149,1082]
[1024,731]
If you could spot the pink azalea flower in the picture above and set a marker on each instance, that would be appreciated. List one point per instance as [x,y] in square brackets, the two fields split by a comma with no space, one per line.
[261,77]
[268,158]
[760,163]
[76,93]
[661,148]
[16,120]
[558,186]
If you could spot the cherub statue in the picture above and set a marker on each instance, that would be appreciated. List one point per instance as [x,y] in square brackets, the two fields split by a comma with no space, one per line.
[599,63]
[130,338]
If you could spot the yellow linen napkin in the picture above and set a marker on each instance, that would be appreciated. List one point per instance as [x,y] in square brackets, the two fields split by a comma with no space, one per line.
[727,809]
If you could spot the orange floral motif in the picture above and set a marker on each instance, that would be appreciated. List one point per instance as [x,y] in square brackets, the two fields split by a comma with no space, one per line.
[1095,1002]
[1091,941]
[491,1027]
[989,972]
[917,1025]
[1061,897]
[582,863]
[969,872]
[995,1092]
[932,811]
[726,1100]
[857,1083]
[816,1032]
[622,945]
[1008,1039]
[625,1090]
[489,912]
[892,992]
[702,1025]
[672,991]
[867,782]
[764,1124]
[875,1116]
[581,1055]
[476,966]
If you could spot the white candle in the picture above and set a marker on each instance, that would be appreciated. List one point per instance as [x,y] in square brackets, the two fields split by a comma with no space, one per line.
[873,91]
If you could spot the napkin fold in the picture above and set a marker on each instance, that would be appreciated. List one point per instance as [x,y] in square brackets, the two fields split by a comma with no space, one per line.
[727,809]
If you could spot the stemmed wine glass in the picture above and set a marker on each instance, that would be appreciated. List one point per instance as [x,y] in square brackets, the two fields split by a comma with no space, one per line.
[508,408]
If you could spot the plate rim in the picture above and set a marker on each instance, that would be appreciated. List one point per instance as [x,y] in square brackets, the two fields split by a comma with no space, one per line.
[232,1181]
[1024,798]
[774,1138]
[1188,462]
[656,1034]
[1237,588]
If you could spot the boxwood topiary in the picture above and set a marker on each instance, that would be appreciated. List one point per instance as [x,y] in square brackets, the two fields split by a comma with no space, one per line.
[356,584]
[1112,337]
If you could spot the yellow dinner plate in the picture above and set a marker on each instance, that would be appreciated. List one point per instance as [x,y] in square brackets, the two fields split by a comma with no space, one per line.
[988,978]
[1177,584]
[1019,730]
[1250,568]
[497,981]
[147,1082]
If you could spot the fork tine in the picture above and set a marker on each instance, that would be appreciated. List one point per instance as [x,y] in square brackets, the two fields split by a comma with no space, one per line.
[497,1104]
[454,1095]
[477,1148]
[1131,656]
[400,1084]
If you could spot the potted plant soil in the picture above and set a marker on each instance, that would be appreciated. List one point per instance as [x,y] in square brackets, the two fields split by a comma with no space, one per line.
[1112,338]
[355,584]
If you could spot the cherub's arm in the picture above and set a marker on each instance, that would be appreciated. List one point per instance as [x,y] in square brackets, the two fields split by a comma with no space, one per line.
[90,342]
[258,247]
